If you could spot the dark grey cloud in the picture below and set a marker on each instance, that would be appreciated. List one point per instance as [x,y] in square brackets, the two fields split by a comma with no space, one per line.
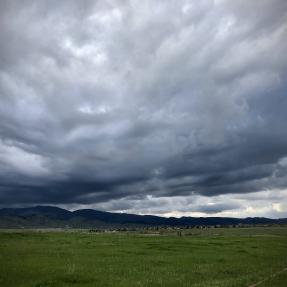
[123,100]
[215,208]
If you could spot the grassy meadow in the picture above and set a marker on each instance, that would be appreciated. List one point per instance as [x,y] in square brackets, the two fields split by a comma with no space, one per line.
[199,258]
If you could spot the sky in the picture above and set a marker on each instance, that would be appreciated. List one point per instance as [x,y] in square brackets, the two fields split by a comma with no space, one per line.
[173,108]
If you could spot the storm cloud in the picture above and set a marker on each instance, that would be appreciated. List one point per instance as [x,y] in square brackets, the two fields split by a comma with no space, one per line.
[159,104]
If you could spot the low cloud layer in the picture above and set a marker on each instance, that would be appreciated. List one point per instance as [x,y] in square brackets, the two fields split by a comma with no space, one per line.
[123,102]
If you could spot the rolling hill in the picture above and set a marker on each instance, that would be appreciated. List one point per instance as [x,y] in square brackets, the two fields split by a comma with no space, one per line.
[55,217]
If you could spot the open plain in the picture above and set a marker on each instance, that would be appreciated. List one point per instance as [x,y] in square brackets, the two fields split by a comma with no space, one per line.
[225,257]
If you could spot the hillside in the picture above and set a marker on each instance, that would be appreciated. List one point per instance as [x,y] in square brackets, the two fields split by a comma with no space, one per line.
[54,217]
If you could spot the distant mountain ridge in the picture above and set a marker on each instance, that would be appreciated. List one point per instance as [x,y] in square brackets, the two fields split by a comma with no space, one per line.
[55,217]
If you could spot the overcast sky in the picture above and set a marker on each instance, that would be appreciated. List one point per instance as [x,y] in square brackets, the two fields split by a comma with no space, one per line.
[150,107]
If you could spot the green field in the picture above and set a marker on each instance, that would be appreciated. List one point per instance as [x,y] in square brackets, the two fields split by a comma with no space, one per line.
[213,257]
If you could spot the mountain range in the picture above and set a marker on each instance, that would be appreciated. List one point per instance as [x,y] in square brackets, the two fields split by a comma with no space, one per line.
[55,217]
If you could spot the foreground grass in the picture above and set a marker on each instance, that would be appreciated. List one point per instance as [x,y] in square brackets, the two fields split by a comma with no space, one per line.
[219,257]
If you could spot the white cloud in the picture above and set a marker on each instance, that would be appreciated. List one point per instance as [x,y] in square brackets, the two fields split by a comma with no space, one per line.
[20,161]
